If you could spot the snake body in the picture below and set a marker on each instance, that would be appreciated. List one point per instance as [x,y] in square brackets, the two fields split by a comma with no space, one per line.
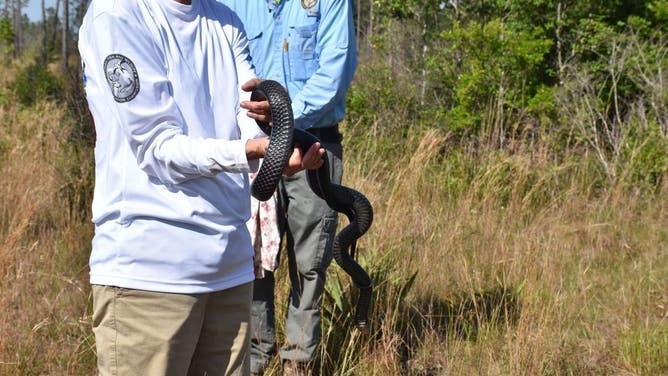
[353,204]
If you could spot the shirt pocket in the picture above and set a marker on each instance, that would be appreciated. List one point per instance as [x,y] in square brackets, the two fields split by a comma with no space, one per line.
[302,51]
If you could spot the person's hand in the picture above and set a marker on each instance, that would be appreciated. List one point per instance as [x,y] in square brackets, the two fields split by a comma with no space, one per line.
[311,160]
[256,148]
[258,110]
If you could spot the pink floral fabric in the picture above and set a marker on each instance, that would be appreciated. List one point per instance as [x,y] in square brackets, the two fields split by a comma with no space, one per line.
[266,238]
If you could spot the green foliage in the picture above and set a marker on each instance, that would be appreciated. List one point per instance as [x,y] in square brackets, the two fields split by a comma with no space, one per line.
[490,65]
[645,349]
[34,83]
[6,32]
[495,64]
[587,76]
[380,105]
[659,12]
[644,156]
[396,9]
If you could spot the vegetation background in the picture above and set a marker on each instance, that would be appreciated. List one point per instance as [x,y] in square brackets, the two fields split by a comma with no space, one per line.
[515,152]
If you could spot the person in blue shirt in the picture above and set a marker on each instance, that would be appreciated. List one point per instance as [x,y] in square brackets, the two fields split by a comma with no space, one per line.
[309,47]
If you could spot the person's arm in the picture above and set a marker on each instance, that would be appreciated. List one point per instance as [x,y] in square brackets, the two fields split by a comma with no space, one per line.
[337,63]
[149,117]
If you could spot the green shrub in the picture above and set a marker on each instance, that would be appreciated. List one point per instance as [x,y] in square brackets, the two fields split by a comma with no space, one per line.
[645,157]
[6,32]
[34,83]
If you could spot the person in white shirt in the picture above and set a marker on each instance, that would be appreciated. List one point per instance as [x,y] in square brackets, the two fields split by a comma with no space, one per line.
[171,262]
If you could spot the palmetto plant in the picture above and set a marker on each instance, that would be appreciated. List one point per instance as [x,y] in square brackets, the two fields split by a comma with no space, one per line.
[346,347]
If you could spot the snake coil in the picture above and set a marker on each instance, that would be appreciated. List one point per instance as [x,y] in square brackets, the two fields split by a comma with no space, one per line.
[342,199]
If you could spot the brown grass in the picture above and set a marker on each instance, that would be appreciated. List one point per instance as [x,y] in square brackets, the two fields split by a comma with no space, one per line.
[43,248]
[525,265]
[529,271]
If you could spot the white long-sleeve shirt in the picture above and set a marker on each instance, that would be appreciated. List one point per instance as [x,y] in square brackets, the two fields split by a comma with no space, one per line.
[171,199]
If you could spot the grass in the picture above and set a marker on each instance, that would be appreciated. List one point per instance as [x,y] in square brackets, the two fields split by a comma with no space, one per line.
[521,265]
[44,295]
[485,262]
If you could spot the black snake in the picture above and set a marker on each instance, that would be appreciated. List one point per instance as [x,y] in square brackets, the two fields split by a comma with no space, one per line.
[342,199]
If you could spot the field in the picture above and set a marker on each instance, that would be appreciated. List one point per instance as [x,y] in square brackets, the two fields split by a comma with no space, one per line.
[522,260]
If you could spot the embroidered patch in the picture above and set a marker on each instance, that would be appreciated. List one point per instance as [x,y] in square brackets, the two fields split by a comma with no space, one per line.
[122,77]
[308,4]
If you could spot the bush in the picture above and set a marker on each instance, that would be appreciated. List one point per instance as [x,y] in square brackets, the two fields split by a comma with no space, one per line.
[35,82]
[645,157]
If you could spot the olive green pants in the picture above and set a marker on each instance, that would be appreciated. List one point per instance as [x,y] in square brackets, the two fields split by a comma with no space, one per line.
[310,226]
[150,333]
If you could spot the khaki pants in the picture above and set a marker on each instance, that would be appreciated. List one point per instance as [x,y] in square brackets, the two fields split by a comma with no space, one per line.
[149,333]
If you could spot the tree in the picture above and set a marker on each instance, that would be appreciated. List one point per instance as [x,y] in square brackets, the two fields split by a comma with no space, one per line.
[44,33]
[6,33]
[65,35]
[17,29]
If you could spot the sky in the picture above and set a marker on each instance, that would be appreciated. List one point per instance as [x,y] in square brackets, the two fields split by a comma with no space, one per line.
[34,8]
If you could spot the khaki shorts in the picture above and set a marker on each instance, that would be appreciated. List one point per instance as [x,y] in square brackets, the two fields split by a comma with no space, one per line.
[150,333]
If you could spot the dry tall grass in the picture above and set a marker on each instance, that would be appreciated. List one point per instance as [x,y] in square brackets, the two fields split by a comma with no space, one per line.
[525,264]
[44,325]
[531,270]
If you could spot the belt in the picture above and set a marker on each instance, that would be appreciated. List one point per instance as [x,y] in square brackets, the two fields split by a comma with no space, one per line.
[327,134]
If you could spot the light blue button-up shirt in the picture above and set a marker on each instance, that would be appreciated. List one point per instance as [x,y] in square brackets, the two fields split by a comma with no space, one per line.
[309,47]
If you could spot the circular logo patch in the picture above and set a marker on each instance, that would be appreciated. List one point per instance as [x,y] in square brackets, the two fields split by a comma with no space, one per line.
[122,77]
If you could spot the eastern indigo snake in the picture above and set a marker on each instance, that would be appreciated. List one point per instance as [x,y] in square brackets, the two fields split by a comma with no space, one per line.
[342,199]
